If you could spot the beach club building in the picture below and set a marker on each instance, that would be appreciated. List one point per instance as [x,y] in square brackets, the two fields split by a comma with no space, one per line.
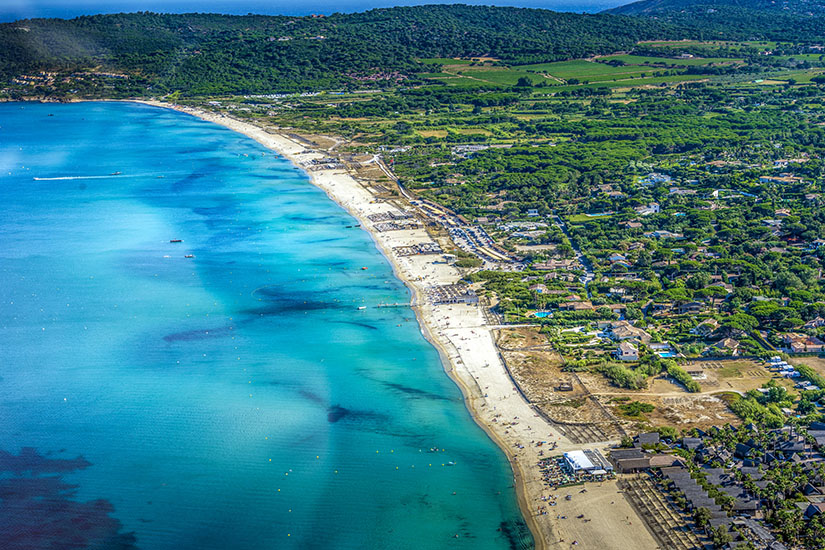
[587,462]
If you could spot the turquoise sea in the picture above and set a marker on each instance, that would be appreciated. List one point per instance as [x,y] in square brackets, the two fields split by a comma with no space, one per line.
[237,399]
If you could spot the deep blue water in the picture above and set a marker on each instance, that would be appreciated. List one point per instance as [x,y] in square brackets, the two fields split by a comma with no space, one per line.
[237,399]
[11,10]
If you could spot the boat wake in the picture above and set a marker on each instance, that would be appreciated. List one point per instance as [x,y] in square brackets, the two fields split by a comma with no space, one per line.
[59,178]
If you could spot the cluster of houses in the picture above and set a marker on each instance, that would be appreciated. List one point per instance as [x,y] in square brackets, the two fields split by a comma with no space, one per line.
[655,178]
[785,178]
[628,337]
[728,478]
[782,179]
[642,456]
[802,343]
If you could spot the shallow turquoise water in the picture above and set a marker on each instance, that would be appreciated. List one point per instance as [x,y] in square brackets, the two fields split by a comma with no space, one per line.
[236,399]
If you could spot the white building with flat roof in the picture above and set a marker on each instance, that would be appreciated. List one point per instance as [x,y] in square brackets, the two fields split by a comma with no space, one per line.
[578,461]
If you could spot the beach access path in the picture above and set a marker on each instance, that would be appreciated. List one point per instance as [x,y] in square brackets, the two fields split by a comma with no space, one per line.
[470,357]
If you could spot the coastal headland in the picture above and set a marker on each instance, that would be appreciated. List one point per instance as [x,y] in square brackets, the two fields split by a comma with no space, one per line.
[599,517]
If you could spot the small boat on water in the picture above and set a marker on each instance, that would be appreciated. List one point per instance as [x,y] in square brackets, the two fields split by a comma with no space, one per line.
[189,256]
[115,173]
[175,240]
[362,307]
[451,464]
[364,268]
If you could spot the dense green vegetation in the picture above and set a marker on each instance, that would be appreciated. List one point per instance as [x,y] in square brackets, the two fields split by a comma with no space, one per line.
[683,378]
[636,409]
[772,7]
[201,54]
[811,375]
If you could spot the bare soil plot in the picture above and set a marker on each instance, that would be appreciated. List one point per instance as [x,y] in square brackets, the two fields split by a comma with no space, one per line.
[816,363]
[738,376]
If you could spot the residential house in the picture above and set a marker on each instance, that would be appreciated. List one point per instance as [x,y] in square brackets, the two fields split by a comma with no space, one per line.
[627,352]
[629,460]
[697,373]
[618,309]
[650,209]
[576,306]
[802,343]
[785,179]
[691,308]
[557,265]
[814,323]
[726,346]
[814,509]
[660,308]
[655,178]
[705,328]
[623,330]
[648,438]
[662,234]
[743,451]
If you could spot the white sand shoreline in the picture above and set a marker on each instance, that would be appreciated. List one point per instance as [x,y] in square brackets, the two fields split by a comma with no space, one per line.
[468,352]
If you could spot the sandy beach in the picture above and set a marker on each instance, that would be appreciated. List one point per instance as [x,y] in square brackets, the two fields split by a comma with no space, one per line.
[470,357]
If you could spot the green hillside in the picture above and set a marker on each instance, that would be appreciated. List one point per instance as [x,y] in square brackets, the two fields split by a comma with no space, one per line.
[652,7]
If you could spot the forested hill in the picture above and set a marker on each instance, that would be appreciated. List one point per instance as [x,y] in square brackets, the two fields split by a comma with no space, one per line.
[773,20]
[201,54]
[658,7]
